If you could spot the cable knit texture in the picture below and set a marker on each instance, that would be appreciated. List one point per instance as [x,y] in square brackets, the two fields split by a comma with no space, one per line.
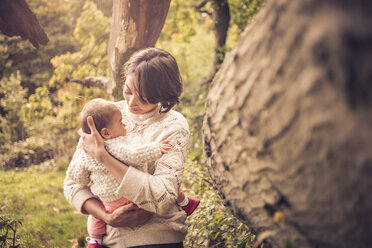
[153,187]
[88,171]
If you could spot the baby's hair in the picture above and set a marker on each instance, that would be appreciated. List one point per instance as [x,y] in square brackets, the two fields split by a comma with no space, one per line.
[101,111]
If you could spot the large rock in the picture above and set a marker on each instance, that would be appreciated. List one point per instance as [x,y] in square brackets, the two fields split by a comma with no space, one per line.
[288,123]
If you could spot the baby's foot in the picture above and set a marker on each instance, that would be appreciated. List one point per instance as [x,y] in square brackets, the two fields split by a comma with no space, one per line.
[95,245]
[191,206]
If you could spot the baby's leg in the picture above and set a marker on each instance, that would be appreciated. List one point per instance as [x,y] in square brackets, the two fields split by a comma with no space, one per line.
[97,227]
[96,230]
[188,205]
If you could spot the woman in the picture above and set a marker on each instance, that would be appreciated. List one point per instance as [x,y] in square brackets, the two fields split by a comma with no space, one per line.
[153,86]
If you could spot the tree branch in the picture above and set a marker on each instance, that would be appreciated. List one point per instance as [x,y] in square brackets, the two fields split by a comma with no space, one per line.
[201,5]
[99,82]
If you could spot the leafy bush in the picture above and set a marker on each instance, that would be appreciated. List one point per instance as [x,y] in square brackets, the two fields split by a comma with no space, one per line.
[212,224]
[33,150]
[38,107]
[243,12]
[90,60]
[12,100]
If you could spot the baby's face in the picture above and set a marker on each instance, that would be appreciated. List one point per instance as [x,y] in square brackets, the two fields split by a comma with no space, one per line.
[117,127]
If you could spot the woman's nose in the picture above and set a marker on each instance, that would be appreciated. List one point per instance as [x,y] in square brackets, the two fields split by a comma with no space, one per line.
[132,101]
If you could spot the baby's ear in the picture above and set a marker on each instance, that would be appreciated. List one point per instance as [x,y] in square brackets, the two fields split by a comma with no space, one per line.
[105,133]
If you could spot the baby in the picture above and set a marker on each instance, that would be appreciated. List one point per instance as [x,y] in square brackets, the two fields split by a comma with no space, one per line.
[108,120]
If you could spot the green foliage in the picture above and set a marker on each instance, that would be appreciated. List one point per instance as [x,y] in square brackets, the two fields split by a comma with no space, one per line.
[33,150]
[48,114]
[8,232]
[38,107]
[11,103]
[91,32]
[58,19]
[105,6]
[212,225]
[181,23]
[243,12]
[188,36]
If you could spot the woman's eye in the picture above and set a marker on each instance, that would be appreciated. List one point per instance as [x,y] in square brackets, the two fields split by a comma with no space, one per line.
[127,93]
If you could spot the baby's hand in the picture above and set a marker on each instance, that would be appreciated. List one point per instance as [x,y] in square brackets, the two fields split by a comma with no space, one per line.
[165,147]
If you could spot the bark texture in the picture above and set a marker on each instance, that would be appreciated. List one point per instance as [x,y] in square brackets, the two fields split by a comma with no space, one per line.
[288,123]
[17,19]
[136,24]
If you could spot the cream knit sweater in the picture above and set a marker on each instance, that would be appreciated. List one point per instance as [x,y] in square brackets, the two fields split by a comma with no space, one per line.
[155,190]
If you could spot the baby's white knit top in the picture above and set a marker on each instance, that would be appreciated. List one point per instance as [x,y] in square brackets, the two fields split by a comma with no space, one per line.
[88,171]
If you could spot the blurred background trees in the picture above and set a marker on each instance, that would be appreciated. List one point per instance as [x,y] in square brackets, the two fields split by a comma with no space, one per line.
[41,97]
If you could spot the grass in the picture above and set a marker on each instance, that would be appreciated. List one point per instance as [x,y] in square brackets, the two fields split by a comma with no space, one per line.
[35,197]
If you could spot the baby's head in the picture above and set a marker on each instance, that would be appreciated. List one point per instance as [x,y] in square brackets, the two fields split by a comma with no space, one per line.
[107,118]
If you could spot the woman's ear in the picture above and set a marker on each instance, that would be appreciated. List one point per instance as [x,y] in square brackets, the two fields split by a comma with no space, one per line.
[105,133]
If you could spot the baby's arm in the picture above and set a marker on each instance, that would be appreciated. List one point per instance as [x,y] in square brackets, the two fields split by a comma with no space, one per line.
[137,155]
[165,146]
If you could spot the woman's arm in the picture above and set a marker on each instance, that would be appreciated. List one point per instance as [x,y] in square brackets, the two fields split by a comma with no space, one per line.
[158,192]
[84,201]
[129,214]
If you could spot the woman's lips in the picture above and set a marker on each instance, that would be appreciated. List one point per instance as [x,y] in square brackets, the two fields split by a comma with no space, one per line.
[134,109]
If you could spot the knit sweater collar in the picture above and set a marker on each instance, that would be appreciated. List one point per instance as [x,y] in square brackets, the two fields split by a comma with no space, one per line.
[141,118]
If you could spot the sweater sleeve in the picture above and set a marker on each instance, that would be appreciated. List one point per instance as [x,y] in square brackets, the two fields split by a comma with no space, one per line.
[75,185]
[158,192]
[134,155]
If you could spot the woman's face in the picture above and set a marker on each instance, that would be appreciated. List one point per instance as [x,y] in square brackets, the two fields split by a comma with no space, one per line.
[132,98]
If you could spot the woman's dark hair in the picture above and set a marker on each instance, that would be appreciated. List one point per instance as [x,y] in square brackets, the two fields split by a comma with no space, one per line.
[158,77]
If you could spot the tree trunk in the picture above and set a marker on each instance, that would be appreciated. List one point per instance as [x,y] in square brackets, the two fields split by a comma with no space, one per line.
[16,18]
[288,120]
[135,24]
[221,20]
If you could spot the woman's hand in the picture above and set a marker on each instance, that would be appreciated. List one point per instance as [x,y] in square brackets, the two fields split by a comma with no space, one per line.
[129,215]
[93,143]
